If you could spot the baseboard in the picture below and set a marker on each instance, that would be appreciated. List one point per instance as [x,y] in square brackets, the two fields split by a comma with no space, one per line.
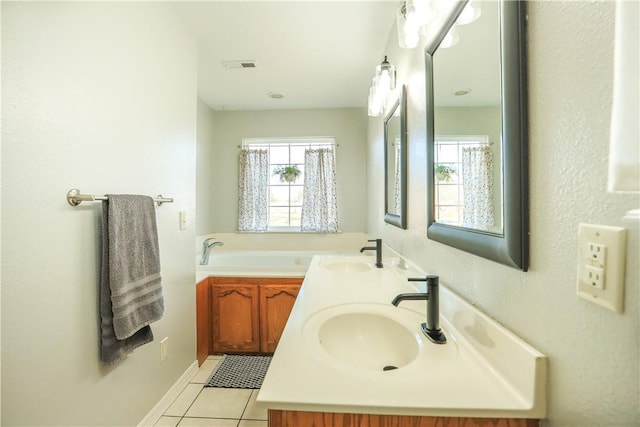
[161,407]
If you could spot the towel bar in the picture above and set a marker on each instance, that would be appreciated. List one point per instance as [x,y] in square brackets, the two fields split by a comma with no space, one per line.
[75,198]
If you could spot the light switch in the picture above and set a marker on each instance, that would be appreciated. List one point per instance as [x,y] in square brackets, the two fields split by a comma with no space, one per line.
[601,265]
[183,220]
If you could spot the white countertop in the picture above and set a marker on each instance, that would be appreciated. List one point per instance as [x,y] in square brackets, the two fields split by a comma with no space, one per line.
[482,371]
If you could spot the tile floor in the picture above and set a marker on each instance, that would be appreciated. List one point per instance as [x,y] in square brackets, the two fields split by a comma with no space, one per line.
[198,406]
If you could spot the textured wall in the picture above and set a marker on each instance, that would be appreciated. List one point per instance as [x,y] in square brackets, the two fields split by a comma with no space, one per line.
[99,96]
[594,372]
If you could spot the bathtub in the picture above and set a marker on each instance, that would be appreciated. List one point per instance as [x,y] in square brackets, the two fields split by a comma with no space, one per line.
[258,263]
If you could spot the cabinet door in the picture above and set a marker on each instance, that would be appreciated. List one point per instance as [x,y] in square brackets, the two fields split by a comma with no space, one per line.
[235,320]
[276,302]
[203,322]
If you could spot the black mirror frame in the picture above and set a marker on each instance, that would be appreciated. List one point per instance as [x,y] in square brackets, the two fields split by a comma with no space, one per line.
[512,246]
[392,218]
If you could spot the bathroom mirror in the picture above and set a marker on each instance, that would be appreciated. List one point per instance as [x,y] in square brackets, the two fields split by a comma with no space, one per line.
[476,132]
[395,170]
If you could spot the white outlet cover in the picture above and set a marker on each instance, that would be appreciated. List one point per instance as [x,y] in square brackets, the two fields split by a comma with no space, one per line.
[613,243]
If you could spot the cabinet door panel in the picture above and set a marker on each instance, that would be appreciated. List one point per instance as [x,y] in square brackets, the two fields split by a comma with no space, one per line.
[276,302]
[235,320]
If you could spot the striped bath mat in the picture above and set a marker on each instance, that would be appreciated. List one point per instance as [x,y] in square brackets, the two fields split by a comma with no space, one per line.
[239,371]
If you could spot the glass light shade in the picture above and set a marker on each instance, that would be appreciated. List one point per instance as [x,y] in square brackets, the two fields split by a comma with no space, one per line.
[420,12]
[451,39]
[470,13]
[408,30]
[386,75]
[375,109]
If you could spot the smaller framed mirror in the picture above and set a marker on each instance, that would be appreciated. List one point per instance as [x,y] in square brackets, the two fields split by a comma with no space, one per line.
[395,166]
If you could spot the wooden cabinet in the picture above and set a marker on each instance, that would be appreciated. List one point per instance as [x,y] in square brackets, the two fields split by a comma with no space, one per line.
[203,322]
[276,302]
[325,419]
[248,315]
[235,318]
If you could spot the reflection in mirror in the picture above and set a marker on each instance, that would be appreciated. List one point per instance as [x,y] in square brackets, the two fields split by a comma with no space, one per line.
[395,171]
[476,132]
[468,124]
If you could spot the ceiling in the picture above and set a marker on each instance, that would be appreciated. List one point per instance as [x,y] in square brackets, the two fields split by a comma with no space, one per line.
[317,54]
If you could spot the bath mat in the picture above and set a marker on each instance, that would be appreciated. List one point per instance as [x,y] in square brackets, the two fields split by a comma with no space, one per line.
[239,371]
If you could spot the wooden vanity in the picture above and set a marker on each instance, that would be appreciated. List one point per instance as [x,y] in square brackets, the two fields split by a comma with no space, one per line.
[324,419]
[242,314]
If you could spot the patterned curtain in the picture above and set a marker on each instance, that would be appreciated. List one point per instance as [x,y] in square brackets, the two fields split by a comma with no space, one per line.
[397,200]
[477,180]
[253,190]
[319,201]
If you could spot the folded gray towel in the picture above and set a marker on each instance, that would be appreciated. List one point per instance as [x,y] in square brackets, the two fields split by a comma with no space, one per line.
[130,287]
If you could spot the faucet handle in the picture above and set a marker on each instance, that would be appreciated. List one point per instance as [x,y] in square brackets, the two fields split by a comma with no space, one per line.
[374,240]
[428,278]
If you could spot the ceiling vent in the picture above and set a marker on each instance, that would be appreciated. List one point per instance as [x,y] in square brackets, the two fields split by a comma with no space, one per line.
[239,64]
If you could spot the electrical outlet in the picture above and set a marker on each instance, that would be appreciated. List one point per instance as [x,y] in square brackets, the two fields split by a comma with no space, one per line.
[601,265]
[164,349]
[595,276]
[596,253]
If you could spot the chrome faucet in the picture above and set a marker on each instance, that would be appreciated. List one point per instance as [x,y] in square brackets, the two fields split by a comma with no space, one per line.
[377,248]
[206,248]
[431,328]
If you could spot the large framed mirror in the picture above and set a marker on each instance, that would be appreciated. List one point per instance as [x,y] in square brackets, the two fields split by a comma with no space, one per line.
[395,170]
[477,169]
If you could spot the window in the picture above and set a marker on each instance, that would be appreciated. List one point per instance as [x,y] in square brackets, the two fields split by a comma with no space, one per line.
[286,178]
[449,185]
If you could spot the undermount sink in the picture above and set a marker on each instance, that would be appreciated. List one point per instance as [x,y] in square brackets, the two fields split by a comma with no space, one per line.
[362,337]
[344,266]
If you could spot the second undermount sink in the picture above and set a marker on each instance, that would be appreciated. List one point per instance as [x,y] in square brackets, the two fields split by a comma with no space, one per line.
[346,266]
[362,337]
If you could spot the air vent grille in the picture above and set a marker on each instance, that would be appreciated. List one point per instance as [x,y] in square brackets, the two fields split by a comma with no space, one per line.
[239,64]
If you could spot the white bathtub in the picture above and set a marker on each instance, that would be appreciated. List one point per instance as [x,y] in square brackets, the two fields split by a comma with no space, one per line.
[258,263]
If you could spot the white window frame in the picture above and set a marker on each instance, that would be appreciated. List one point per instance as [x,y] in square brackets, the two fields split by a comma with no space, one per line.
[267,143]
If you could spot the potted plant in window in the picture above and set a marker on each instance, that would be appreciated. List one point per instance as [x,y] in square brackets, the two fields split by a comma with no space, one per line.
[289,173]
[443,173]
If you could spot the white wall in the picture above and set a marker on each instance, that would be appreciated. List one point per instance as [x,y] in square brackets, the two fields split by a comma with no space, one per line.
[347,125]
[205,203]
[594,356]
[102,97]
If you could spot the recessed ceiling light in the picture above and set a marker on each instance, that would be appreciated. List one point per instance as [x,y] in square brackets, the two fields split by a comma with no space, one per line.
[275,95]
[462,92]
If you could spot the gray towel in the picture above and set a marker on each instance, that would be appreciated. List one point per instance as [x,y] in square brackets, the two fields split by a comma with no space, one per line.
[130,287]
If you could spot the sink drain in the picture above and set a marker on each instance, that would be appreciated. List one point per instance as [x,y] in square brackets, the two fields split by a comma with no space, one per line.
[389,368]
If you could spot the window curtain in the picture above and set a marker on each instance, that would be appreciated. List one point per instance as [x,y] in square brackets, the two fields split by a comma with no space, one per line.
[319,201]
[477,180]
[397,200]
[253,181]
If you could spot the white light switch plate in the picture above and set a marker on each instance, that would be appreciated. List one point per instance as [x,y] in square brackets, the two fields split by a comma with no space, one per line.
[601,265]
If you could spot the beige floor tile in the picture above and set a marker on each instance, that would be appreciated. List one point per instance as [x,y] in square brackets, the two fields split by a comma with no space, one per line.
[204,371]
[220,403]
[184,400]
[253,423]
[207,422]
[167,422]
[255,410]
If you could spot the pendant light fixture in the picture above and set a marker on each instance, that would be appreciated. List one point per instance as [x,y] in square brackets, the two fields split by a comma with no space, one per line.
[384,81]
